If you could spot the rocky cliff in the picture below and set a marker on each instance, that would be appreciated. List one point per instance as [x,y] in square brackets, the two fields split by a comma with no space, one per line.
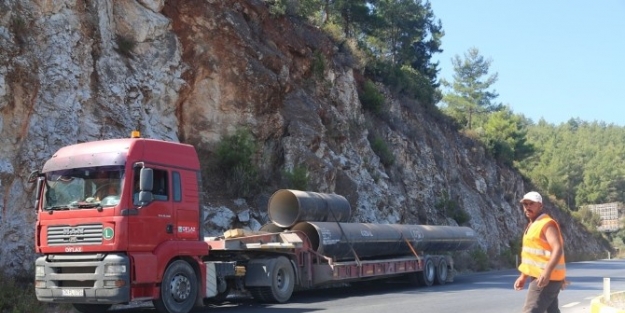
[198,70]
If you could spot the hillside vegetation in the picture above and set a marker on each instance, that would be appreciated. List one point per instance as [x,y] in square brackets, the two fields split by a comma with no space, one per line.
[574,164]
[578,162]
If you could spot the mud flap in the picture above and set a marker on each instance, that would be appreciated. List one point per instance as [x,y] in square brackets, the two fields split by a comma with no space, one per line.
[258,273]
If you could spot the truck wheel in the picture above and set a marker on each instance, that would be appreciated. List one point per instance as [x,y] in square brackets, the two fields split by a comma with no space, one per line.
[441,272]
[427,276]
[91,308]
[179,289]
[282,283]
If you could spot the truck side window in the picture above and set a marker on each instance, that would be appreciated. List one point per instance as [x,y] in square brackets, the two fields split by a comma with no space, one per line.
[161,186]
[175,177]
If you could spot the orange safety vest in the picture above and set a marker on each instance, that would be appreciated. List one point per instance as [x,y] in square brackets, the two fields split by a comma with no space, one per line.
[536,251]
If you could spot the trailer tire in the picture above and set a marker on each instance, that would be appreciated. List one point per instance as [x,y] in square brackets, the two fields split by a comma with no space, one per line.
[179,289]
[441,272]
[282,283]
[91,308]
[427,276]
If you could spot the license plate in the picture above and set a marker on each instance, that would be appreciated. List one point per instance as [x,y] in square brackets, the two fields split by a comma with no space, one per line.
[73,292]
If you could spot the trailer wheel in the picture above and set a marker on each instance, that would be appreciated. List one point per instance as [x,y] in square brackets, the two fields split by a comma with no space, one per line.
[427,276]
[179,289]
[441,272]
[91,308]
[282,283]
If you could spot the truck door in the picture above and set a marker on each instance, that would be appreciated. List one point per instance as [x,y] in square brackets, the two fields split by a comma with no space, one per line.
[153,224]
[185,203]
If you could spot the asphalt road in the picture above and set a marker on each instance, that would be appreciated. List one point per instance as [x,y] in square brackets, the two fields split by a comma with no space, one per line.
[489,292]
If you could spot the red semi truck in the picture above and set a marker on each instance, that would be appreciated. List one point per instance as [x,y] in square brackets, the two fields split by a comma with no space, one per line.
[120,220]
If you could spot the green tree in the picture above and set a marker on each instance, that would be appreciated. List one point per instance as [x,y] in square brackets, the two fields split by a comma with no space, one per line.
[351,15]
[505,136]
[410,33]
[470,95]
[578,162]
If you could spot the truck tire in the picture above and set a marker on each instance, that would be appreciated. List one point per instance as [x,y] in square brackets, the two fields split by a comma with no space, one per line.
[91,308]
[282,283]
[427,276]
[179,289]
[441,272]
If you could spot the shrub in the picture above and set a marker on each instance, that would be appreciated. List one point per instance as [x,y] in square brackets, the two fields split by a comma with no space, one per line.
[509,256]
[125,46]
[242,181]
[234,158]
[297,178]
[371,99]
[277,7]
[461,216]
[405,81]
[479,260]
[236,150]
[20,28]
[382,151]
[450,208]
[318,65]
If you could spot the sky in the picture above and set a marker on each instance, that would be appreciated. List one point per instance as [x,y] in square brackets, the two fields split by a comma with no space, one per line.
[555,59]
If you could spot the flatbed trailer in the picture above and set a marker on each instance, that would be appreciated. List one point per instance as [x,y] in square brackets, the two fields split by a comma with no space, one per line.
[278,263]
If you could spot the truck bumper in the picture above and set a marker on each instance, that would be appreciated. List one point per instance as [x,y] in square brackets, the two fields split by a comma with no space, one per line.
[83,278]
[90,295]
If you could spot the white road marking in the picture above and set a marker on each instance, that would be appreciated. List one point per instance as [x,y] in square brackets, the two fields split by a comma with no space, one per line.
[570,304]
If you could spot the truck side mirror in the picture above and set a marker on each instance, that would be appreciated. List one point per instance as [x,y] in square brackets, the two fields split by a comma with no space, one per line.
[146,179]
[38,190]
[146,183]
[35,176]
[145,197]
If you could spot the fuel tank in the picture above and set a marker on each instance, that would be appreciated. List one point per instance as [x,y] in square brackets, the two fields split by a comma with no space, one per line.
[342,241]
[287,207]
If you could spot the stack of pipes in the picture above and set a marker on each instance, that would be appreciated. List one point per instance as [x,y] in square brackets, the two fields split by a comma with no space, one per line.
[324,219]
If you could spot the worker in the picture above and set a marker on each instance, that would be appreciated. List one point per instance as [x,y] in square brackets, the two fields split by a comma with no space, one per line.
[106,187]
[542,258]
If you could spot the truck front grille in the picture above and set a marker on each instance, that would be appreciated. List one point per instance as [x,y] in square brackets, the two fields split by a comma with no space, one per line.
[88,234]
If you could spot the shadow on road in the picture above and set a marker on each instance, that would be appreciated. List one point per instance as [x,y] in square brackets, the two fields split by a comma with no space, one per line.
[246,304]
[489,282]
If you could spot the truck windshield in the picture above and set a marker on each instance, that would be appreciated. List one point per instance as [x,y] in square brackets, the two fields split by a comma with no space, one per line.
[82,188]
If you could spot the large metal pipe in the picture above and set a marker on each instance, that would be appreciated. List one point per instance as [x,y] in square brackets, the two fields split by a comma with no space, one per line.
[288,206]
[342,240]
[271,228]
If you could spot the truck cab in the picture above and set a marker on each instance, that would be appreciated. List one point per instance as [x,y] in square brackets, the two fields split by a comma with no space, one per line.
[112,217]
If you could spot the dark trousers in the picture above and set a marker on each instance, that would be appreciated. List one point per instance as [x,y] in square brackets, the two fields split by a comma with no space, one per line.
[541,300]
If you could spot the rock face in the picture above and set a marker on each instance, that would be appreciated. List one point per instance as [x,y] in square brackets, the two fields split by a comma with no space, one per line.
[194,71]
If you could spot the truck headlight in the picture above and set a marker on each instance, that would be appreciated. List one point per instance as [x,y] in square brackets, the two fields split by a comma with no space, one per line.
[114,269]
[40,271]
